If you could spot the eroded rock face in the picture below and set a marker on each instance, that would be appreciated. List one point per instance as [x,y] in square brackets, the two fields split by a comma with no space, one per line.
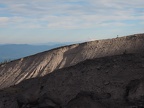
[46,62]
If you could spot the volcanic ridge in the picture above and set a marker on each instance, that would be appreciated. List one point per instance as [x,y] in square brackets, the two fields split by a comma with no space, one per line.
[105,73]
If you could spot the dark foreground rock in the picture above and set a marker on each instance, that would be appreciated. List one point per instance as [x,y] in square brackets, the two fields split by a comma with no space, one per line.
[108,82]
[85,100]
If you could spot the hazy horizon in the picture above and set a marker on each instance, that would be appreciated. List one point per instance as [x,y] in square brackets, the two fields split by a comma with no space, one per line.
[43,21]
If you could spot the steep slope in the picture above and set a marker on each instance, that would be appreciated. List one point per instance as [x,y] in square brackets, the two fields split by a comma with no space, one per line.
[108,82]
[43,63]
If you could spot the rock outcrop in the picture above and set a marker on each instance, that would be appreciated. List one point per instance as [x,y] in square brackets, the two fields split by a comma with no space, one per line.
[46,62]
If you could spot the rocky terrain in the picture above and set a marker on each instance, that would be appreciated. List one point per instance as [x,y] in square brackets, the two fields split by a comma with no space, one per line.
[44,63]
[98,74]
[108,82]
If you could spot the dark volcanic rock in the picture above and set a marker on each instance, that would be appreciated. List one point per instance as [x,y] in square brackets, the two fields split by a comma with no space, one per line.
[135,92]
[84,100]
[108,82]
[63,88]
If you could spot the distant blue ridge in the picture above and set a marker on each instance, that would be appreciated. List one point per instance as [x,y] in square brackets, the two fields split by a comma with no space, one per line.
[15,51]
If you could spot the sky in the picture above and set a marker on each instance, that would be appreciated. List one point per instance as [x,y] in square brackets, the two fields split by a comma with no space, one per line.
[43,21]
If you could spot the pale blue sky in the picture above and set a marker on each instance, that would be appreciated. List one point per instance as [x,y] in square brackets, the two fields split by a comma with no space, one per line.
[42,21]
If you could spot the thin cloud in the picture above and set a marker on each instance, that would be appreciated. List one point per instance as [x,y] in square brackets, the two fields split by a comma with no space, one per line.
[4,19]
[70,14]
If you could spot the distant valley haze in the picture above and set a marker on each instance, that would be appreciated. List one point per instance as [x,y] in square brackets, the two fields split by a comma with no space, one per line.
[10,52]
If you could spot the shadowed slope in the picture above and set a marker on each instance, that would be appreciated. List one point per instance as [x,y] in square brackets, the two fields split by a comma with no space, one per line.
[109,82]
[43,63]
